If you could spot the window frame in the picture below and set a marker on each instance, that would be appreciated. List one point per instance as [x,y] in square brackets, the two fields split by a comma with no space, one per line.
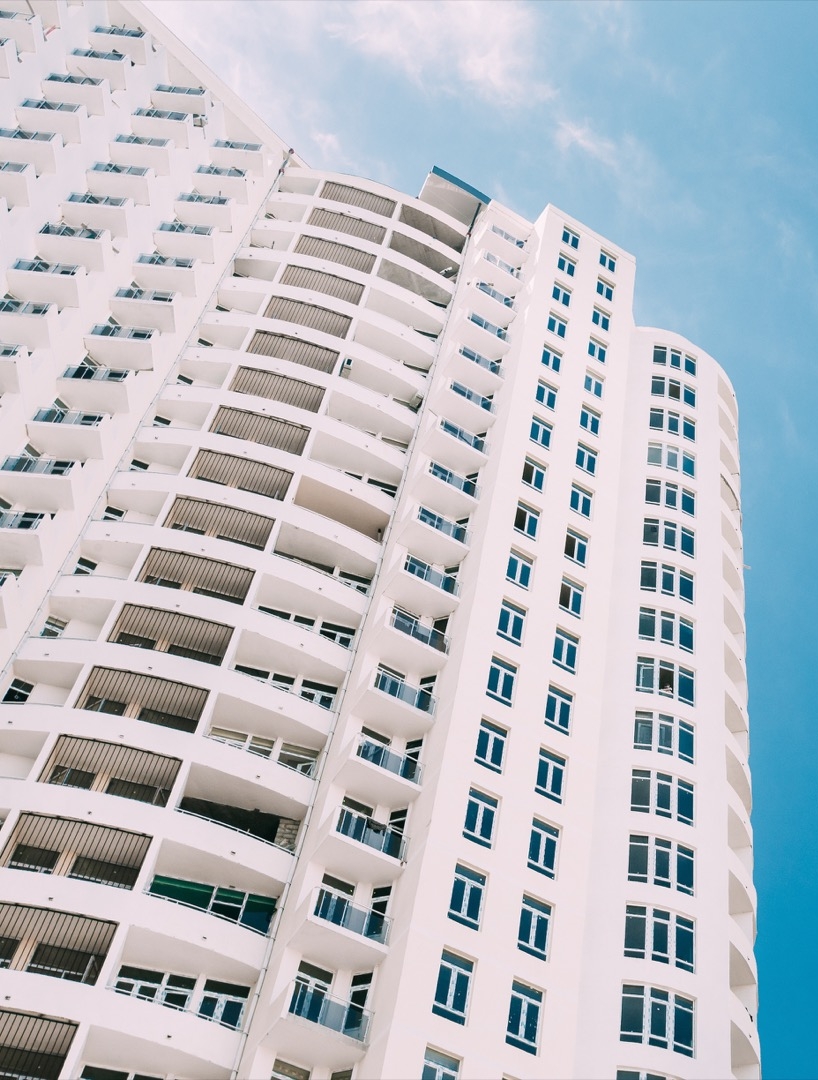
[482,810]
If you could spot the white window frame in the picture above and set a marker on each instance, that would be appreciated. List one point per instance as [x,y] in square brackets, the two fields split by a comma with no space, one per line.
[561,295]
[543,848]
[485,810]
[659,935]
[662,859]
[579,543]
[502,681]
[535,922]
[533,474]
[540,432]
[559,709]
[593,385]
[572,597]
[551,770]
[557,325]
[589,419]
[491,745]
[566,265]
[662,733]
[582,501]
[551,359]
[546,395]
[523,568]
[511,623]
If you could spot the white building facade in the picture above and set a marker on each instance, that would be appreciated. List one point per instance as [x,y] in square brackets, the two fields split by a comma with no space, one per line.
[373,697]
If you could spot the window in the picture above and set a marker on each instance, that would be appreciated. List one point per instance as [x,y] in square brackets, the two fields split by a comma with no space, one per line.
[666,678]
[526,520]
[467,896]
[565,650]
[670,456]
[570,238]
[571,595]
[589,420]
[540,432]
[501,681]
[556,325]
[607,262]
[576,547]
[532,936]
[669,580]
[661,794]
[523,1025]
[481,813]
[542,848]
[604,289]
[437,1066]
[601,319]
[533,474]
[84,567]
[597,350]
[662,936]
[519,569]
[491,746]
[663,493]
[657,1018]
[550,775]
[593,385]
[673,389]
[113,513]
[664,734]
[632,1074]
[551,359]
[452,990]
[581,501]
[53,627]
[18,692]
[558,707]
[512,622]
[561,294]
[546,395]
[586,459]
[667,627]
[673,537]
[566,265]
[673,358]
[656,861]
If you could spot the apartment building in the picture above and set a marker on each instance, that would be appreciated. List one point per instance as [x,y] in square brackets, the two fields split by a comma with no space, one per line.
[373,700]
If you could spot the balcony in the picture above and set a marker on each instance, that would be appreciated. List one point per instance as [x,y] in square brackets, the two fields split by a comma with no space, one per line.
[96,387]
[27,323]
[343,934]
[106,63]
[333,1013]
[53,943]
[193,208]
[388,778]
[422,587]
[456,446]
[125,39]
[164,124]
[17,182]
[69,433]
[63,118]
[42,481]
[188,99]
[222,180]
[113,213]
[170,273]
[245,909]
[25,30]
[90,248]
[186,241]
[94,94]
[122,346]
[37,148]
[453,494]
[430,650]
[144,307]
[390,702]
[246,155]
[272,829]
[39,281]
[33,1042]
[22,537]
[312,1026]
[135,182]
[143,151]
[437,539]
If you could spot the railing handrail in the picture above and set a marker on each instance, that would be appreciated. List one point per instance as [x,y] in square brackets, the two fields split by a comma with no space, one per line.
[195,907]
[370,830]
[339,902]
[36,465]
[314,1004]
[235,828]
[428,635]
[430,574]
[403,691]
[187,1008]
[388,758]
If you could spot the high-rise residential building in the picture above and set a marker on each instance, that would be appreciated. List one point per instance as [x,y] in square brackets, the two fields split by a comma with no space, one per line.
[373,699]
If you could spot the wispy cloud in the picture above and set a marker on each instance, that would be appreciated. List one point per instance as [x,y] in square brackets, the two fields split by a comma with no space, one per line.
[485,48]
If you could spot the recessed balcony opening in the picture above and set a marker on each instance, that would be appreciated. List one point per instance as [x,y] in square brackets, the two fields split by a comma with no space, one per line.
[143,697]
[111,768]
[247,807]
[53,943]
[438,230]
[36,1045]
[171,632]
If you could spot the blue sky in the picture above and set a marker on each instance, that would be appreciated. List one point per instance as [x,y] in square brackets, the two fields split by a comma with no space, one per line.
[687,133]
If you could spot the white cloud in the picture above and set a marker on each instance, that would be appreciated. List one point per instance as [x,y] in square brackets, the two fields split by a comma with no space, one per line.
[570,134]
[485,47]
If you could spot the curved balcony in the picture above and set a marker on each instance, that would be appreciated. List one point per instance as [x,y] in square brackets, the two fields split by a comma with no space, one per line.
[456,447]
[465,406]
[355,847]
[483,337]
[410,643]
[454,495]
[413,583]
[391,703]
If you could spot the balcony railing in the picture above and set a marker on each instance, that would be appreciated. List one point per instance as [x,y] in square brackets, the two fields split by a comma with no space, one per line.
[207,200]
[489,256]
[400,764]
[26,519]
[52,106]
[67,416]
[477,442]
[161,114]
[94,371]
[246,909]
[371,833]
[422,570]
[155,259]
[80,232]
[271,829]
[494,366]
[462,483]
[472,395]
[40,266]
[138,333]
[340,911]
[416,696]
[495,294]
[408,624]
[313,1003]
[130,293]
[507,236]
[10,306]
[498,331]
[450,528]
[43,466]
